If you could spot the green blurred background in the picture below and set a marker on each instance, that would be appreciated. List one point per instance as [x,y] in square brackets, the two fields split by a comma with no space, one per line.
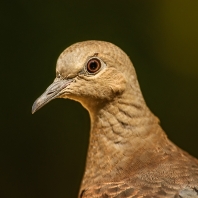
[43,155]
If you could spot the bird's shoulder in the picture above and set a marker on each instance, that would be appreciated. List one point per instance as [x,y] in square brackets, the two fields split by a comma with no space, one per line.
[124,190]
[169,178]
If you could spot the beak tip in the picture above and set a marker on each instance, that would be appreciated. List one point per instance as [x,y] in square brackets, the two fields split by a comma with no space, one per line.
[34,107]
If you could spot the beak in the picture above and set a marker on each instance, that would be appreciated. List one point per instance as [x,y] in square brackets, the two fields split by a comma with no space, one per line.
[52,92]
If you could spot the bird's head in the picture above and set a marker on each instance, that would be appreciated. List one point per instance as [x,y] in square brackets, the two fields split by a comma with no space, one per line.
[91,72]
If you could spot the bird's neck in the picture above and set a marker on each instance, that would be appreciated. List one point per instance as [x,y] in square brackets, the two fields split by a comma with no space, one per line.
[122,131]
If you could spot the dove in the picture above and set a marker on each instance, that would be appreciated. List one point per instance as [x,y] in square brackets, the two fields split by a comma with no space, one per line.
[129,155]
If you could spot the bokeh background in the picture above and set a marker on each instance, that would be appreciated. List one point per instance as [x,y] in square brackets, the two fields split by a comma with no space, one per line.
[43,155]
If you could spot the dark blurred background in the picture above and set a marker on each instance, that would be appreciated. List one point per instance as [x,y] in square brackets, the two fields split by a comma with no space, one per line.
[43,155]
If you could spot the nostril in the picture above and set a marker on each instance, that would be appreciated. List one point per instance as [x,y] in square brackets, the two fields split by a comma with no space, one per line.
[51,92]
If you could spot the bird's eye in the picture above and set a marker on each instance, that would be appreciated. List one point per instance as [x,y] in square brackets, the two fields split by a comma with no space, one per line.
[93,65]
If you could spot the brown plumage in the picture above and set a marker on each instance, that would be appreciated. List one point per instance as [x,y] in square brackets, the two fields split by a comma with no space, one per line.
[129,154]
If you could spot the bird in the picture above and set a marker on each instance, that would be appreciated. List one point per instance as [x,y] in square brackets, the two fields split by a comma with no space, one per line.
[129,154]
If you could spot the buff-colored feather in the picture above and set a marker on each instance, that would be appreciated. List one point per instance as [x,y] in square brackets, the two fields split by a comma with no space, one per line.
[129,154]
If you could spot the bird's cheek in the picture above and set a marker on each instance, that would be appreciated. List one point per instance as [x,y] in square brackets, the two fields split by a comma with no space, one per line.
[119,86]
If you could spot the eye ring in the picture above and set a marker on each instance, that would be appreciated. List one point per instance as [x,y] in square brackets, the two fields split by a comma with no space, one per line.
[93,65]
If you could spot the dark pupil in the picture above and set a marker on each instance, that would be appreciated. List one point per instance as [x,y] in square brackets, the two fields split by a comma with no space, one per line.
[93,65]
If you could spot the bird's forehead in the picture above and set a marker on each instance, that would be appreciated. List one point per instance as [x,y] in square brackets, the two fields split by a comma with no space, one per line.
[72,60]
